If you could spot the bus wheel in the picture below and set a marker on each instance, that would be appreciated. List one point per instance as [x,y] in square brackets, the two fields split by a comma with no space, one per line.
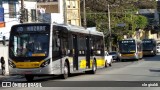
[94,68]
[65,71]
[29,77]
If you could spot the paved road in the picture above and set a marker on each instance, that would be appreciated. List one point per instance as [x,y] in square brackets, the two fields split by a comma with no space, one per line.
[147,69]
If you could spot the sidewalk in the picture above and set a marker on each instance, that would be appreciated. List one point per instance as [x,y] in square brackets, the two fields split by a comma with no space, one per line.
[2,77]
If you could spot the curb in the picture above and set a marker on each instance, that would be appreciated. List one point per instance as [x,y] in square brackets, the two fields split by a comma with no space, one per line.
[2,78]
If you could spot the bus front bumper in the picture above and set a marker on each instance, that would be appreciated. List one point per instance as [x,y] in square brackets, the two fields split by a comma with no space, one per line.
[33,71]
[148,53]
[129,56]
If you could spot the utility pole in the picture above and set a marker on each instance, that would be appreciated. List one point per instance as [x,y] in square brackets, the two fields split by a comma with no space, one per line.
[109,28]
[65,12]
[84,14]
[22,12]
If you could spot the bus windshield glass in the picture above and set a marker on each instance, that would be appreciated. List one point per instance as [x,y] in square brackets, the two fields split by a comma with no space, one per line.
[147,45]
[29,44]
[127,47]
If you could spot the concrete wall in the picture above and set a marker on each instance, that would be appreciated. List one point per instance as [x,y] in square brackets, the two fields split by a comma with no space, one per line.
[29,5]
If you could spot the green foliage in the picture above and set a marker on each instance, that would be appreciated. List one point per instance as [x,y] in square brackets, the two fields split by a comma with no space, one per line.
[122,11]
[141,21]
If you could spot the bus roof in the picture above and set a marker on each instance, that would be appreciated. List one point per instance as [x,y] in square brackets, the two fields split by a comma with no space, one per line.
[80,29]
[132,39]
[29,24]
[150,39]
[69,27]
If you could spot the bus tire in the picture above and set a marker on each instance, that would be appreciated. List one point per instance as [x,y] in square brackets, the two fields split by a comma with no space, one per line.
[94,67]
[65,71]
[29,78]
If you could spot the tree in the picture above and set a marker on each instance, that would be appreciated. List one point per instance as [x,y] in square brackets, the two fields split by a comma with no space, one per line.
[123,12]
[141,21]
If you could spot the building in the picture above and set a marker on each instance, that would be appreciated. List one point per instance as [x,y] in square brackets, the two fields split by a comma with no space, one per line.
[30,10]
[59,11]
[10,14]
[151,31]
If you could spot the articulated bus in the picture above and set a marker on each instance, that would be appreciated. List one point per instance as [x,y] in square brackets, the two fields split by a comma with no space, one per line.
[54,49]
[149,47]
[130,49]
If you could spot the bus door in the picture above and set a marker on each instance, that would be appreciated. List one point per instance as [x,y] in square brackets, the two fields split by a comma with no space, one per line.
[87,52]
[75,52]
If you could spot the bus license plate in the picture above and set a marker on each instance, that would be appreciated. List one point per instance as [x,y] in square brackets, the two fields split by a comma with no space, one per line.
[27,72]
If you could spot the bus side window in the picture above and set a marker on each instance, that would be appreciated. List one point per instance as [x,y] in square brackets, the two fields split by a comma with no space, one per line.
[64,42]
[55,47]
[70,45]
[82,45]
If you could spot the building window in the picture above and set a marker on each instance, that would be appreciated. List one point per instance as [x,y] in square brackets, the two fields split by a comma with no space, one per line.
[12,9]
[73,4]
[26,15]
[33,14]
[69,21]
[69,6]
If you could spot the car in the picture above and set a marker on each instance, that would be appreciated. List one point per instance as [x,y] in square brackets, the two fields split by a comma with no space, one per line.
[108,59]
[158,49]
[115,55]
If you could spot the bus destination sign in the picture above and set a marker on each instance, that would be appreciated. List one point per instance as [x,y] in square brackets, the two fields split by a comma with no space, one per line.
[32,28]
[147,41]
[127,41]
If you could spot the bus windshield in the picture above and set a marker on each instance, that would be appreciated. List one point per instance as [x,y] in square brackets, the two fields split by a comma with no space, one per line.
[147,46]
[127,48]
[29,45]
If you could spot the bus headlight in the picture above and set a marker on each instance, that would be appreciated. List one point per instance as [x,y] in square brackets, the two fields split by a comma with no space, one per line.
[136,55]
[11,64]
[45,63]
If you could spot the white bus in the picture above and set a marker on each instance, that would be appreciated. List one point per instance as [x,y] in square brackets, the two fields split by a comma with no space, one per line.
[46,49]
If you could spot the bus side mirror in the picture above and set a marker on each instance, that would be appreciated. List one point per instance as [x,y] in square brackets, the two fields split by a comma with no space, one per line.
[4,40]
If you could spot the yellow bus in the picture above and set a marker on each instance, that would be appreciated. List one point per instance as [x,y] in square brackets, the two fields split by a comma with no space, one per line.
[149,47]
[54,49]
[130,49]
